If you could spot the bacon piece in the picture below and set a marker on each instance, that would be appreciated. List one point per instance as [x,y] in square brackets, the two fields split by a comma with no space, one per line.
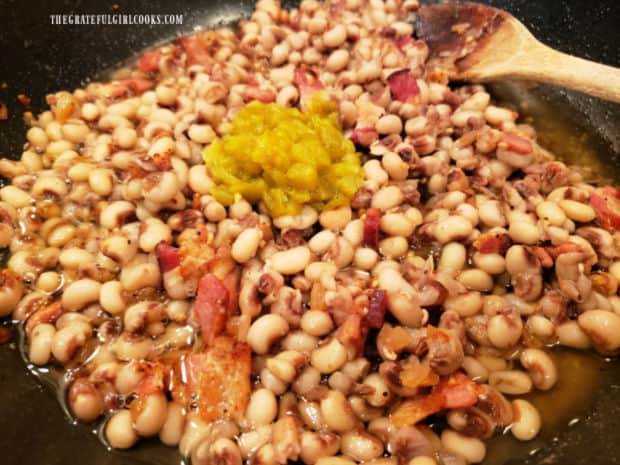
[492,243]
[167,256]
[458,390]
[211,307]
[403,85]
[124,87]
[606,203]
[363,136]
[219,380]
[371,228]
[377,304]
[4,112]
[517,144]
[565,247]
[195,51]
[403,42]
[48,314]
[149,61]
[256,93]
[413,411]
[546,260]
[153,380]
[418,375]
[307,83]
[352,333]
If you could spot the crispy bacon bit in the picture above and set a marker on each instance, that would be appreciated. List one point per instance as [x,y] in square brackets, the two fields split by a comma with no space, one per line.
[517,144]
[459,391]
[565,247]
[195,51]
[371,227]
[546,260]
[403,42]
[363,136]
[418,375]
[211,307]
[606,203]
[403,85]
[220,379]
[377,304]
[352,333]
[5,335]
[24,100]
[149,61]
[167,256]
[492,243]
[153,380]
[412,411]
[137,86]
[307,83]
[256,93]
[48,314]
[4,112]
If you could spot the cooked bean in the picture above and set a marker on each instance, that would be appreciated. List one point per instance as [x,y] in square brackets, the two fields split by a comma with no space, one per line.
[291,261]
[452,228]
[526,421]
[316,323]
[329,357]
[476,280]
[337,412]
[512,382]
[540,367]
[361,446]
[80,293]
[387,197]
[504,330]
[319,446]
[262,407]
[246,244]
[119,430]
[577,211]
[471,449]
[603,328]
[466,304]
[394,247]
[265,331]
[149,414]
[453,257]
[335,219]
[140,275]
[40,343]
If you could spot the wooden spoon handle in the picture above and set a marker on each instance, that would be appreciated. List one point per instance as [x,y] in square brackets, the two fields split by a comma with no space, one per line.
[544,64]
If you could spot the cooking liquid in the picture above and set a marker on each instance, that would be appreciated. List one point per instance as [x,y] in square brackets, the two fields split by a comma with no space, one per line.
[581,373]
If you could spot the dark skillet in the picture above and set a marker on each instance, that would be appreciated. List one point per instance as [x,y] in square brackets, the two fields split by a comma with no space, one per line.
[37,58]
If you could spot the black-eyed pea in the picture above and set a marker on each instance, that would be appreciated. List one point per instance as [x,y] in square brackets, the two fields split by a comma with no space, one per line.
[354,232]
[471,449]
[452,259]
[504,330]
[465,304]
[45,186]
[335,36]
[397,224]
[153,231]
[395,166]
[490,213]
[365,258]
[160,187]
[335,219]
[80,293]
[526,421]
[316,323]
[272,382]
[540,326]
[85,400]
[513,382]
[475,370]
[361,446]
[291,261]
[422,460]
[329,357]
[551,212]
[129,347]
[540,367]
[201,133]
[40,343]
[265,331]
[524,232]
[37,137]
[603,328]
[380,393]
[317,446]
[172,429]
[299,341]
[375,172]
[149,414]
[498,115]
[492,263]
[199,180]
[224,451]
[119,431]
[140,275]
[577,211]
[337,60]
[15,196]
[451,228]
[49,281]
[394,247]
[387,197]
[476,280]
[101,181]
[115,214]
[321,241]
[389,124]
[66,343]
[337,412]
[262,407]
[246,245]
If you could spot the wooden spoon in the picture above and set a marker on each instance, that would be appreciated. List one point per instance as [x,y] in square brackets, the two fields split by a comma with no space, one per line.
[479,43]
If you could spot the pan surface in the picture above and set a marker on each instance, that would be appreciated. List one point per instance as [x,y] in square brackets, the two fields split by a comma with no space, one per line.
[37,57]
